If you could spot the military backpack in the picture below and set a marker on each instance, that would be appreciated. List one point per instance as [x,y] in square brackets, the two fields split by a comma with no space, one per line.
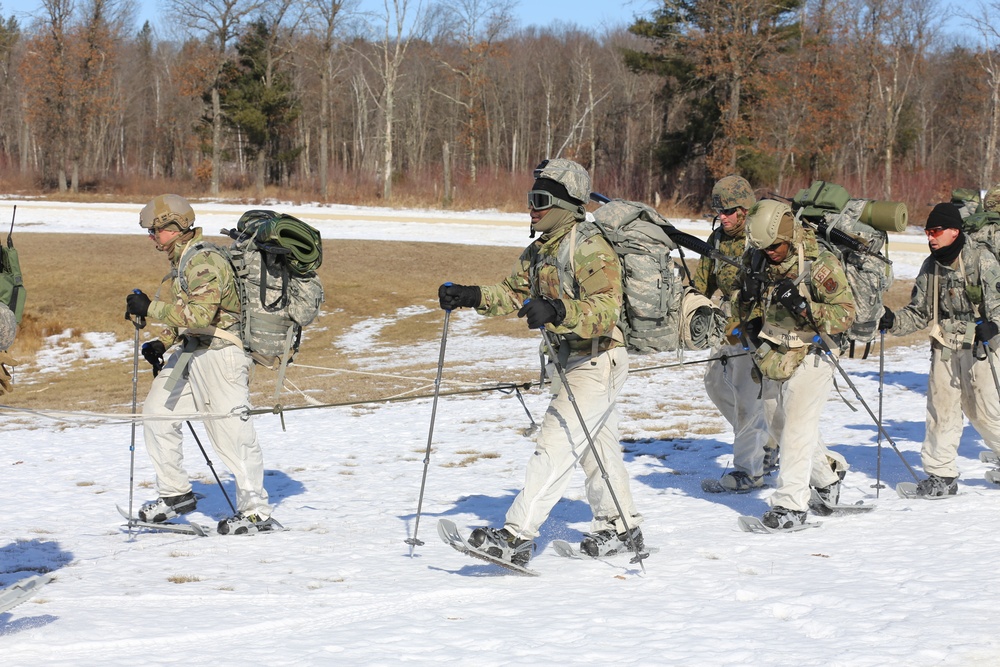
[855,230]
[12,292]
[274,257]
[659,313]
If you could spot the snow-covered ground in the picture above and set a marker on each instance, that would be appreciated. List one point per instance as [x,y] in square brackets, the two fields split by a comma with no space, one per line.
[908,583]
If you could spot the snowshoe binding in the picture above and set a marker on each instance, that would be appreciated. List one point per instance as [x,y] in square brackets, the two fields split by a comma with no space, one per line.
[500,543]
[781,518]
[828,497]
[610,543]
[935,486]
[162,509]
[247,524]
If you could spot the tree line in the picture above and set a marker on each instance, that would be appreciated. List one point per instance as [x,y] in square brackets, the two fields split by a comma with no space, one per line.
[453,97]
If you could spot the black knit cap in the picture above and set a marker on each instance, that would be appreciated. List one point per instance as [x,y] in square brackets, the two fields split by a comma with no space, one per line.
[944,216]
[556,189]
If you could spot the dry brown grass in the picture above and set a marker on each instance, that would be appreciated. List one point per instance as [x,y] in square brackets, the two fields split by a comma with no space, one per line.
[79,282]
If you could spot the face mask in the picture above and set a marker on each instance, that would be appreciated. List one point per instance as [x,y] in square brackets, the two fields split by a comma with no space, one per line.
[554,219]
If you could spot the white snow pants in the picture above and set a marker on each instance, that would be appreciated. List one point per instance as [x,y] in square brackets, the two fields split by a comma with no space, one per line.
[561,443]
[794,407]
[961,384]
[731,387]
[216,381]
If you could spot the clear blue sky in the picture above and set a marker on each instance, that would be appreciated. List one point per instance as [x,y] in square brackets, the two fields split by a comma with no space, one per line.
[588,14]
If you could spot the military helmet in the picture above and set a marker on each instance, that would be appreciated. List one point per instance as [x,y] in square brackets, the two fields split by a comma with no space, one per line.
[8,327]
[167,210]
[991,202]
[570,175]
[732,192]
[769,221]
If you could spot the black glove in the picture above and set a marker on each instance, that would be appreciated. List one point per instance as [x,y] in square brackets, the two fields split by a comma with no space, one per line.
[887,320]
[137,304]
[459,296]
[749,287]
[787,294]
[985,331]
[153,352]
[541,311]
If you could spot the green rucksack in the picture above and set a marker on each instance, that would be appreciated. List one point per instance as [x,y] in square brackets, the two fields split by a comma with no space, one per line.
[12,292]
[967,200]
[274,257]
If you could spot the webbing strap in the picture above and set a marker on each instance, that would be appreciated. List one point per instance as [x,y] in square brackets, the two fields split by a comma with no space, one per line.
[177,372]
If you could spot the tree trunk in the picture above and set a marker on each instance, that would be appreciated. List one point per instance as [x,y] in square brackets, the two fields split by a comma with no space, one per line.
[387,153]
[216,140]
[446,159]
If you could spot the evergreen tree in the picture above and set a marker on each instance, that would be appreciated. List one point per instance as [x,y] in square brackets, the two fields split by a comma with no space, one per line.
[261,105]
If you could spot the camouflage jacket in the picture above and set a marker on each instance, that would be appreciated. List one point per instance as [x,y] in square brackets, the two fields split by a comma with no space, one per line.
[787,336]
[967,291]
[593,302]
[211,300]
[713,274]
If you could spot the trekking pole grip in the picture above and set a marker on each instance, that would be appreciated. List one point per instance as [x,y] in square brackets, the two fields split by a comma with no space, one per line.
[139,321]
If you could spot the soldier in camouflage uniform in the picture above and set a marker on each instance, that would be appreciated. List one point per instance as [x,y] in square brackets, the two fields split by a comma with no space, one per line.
[728,379]
[582,317]
[957,286]
[800,290]
[206,373]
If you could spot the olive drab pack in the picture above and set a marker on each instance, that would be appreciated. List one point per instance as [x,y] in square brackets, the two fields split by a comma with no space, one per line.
[855,230]
[659,313]
[967,200]
[983,224]
[12,292]
[274,257]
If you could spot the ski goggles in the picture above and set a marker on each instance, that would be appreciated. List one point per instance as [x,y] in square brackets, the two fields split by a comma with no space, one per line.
[539,200]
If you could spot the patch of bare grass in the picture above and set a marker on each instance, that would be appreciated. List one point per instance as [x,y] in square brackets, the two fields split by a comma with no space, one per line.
[471,457]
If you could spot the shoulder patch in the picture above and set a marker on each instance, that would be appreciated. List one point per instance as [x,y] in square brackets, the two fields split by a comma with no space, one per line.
[822,275]
[830,285]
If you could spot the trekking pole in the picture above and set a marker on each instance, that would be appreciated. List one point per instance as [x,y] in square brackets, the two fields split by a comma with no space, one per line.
[639,556]
[818,339]
[212,467]
[414,541]
[878,485]
[138,322]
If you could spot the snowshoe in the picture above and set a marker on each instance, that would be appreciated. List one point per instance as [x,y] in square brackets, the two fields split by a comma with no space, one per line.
[163,509]
[247,524]
[609,543]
